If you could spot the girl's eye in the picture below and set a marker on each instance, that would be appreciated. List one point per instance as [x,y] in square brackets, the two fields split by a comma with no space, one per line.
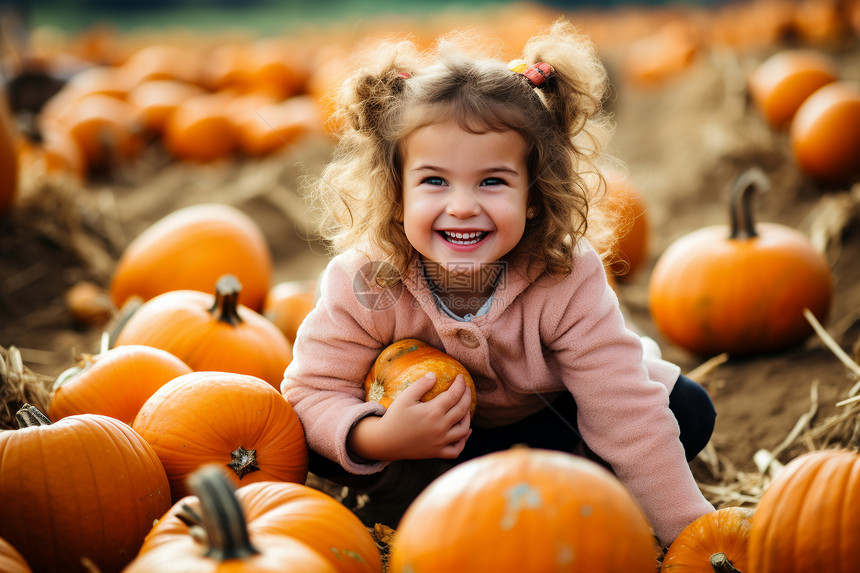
[433,181]
[492,181]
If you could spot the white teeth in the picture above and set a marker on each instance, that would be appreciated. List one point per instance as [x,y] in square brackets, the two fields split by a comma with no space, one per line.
[464,238]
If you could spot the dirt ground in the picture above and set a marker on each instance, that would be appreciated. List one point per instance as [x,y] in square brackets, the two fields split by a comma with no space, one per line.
[684,141]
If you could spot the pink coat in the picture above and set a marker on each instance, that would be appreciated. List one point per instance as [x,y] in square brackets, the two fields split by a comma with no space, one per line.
[542,335]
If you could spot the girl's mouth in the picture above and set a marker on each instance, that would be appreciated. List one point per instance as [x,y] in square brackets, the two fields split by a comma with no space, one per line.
[463,238]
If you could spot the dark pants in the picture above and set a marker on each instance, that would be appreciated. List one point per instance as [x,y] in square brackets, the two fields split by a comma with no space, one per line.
[552,428]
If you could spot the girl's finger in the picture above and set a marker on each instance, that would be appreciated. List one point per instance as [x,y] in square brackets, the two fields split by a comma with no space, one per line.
[418,388]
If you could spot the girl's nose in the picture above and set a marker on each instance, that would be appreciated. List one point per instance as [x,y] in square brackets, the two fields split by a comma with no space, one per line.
[462,204]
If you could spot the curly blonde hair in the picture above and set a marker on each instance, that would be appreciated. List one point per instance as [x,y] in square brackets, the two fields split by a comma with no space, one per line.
[403,89]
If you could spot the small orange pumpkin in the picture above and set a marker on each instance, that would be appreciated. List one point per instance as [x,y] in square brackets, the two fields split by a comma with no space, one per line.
[405,361]
[85,486]
[276,514]
[739,289]
[158,99]
[211,333]
[524,510]
[200,129]
[825,133]
[628,204]
[190,249]
[234,420]
[714,543]
[287,304]
[807,519]
[782,82]
[116,382]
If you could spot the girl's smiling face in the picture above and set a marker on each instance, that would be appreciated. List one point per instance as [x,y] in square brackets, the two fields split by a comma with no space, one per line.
[465,195]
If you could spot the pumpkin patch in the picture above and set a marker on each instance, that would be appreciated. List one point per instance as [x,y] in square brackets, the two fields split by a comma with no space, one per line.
[155,193]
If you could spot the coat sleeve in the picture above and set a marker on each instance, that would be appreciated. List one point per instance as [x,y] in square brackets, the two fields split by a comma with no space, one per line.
[335,348]
[623,414]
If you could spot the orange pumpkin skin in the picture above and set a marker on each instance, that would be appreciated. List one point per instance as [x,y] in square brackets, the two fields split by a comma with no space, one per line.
[192,326]
[405,361]
[725,531]
[204,417]
[190,249]
[781,83]
[524,510]
[115,383]
[825,133]
[11,561]
[807,519]
[283,511]
[86,485]
[287,304]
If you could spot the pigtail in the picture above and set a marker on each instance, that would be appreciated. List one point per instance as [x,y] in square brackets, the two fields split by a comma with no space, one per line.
[358,193]
[368,95]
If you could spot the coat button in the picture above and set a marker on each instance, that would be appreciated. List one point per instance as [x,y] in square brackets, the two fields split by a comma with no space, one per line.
[468,338]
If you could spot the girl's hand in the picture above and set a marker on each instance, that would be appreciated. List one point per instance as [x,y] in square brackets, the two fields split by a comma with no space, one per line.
[412,429]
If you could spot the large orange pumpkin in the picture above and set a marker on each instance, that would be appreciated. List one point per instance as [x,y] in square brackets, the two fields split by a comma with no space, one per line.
[524,510]
[86,486]
[211,332]
[116,382]
[275,514]
[740,288]
[405,361]
[11,561]
[714,543]
[233,420]
[807,519]
[190,249]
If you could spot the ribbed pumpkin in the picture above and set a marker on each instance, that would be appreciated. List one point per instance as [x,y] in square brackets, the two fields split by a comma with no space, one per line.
[211,332]
[11,561]
[807,519]
[739,289]
[229,419]
[714,543]
[189,249]
[86,486]
[287,304]
[116,382]
[276,514]
[405,361]
[8,156]
[524,510]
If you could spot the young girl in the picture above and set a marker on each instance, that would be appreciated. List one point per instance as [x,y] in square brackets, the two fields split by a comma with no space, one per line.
[459,202]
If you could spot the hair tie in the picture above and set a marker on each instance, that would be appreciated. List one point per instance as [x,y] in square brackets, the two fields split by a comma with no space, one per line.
[536,74]
[405,75]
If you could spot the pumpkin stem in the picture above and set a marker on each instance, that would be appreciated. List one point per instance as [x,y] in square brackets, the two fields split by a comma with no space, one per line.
[243,462]
[29,416]
[222,515]
[721,564]
[740,202]
[226,307]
